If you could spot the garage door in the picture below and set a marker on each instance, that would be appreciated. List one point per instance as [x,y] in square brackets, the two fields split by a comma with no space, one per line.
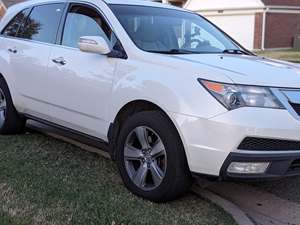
[240,27]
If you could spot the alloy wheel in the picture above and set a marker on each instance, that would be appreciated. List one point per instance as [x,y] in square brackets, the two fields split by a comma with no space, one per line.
[145,158]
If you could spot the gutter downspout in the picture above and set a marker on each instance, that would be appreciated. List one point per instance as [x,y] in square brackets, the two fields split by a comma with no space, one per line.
[263,38]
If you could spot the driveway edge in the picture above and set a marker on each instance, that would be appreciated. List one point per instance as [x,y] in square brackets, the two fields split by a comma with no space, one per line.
[237,214]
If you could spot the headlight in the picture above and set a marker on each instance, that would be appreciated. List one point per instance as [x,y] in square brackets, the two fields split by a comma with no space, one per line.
[235,96]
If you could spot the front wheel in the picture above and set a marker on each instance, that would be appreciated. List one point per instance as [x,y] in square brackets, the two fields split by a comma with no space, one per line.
[151,157]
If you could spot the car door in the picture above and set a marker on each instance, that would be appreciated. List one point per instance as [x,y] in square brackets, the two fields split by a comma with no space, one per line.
[80,83]
[29,55]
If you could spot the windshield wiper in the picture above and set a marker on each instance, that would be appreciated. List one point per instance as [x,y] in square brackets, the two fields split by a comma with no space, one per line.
[175,51]
[236,52]
[183,51]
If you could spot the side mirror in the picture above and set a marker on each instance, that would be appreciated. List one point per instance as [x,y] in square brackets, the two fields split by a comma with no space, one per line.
[94,44]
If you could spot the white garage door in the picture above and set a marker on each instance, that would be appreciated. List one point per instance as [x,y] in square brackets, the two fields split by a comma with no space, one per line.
[240,27]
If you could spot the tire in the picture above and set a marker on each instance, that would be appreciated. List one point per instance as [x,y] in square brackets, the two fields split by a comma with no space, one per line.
[167,173]
[10,121]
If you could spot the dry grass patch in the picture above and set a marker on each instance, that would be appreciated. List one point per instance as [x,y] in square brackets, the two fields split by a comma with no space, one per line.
[286,55]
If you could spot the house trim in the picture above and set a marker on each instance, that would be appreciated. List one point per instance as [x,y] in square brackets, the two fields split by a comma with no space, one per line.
[285,7]
[263,33]
[287,11]
[230,12]
[230,9]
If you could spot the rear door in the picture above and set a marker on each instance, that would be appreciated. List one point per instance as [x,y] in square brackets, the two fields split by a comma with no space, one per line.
[8,53]
[29,54]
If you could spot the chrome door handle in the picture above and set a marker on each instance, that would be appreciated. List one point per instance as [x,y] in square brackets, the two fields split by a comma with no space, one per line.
[13,50]
[60,61]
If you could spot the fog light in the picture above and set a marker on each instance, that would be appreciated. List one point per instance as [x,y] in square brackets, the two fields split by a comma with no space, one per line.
[248,167]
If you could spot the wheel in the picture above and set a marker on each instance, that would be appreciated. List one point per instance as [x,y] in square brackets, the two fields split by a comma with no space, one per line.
[151,157]
[10,120]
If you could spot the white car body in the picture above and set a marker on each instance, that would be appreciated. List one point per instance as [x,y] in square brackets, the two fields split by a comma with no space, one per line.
[81,97]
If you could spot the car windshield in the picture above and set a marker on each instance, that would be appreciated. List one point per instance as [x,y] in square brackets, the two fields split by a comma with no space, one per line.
[172,31]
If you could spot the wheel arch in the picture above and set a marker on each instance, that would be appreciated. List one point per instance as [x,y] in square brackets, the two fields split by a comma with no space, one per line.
[9,86]
[2,76]
[130,109]
[6,83]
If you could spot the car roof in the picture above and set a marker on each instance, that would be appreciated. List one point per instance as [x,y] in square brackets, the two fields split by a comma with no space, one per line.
[140,3]
[18,7]
[119,2]
[13,10]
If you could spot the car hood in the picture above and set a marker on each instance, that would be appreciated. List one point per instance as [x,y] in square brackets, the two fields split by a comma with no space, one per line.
[251,70]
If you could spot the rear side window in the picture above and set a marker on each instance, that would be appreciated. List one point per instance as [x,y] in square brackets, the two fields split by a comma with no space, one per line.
[16,23]
[43,22]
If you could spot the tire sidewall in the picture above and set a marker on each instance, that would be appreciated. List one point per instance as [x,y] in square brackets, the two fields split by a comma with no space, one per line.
[13,123]
[158,123]
[5,91]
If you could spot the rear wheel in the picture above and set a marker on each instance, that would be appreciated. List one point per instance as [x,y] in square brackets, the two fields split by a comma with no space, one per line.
[10,121]
[151,157]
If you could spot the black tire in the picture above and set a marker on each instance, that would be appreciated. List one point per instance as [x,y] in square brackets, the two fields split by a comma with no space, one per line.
[12,122]
[177,178]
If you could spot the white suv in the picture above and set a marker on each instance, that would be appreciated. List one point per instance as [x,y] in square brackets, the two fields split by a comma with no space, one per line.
[164,91]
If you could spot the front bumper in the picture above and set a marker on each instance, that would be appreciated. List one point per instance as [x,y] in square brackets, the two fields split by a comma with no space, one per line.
[286,164]
[211,143]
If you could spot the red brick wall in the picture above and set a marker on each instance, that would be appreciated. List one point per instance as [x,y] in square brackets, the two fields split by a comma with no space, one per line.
[281,29]
[282,2]
[258,30]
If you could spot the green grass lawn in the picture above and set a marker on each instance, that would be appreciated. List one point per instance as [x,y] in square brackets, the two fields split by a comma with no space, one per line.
[46,181]
[287,55]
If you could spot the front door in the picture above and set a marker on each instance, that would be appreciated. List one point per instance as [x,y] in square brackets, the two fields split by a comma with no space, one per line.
[80,83]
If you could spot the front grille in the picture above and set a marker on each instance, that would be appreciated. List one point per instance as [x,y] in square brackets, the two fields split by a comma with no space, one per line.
[265,144]
[295,166]
[296,107]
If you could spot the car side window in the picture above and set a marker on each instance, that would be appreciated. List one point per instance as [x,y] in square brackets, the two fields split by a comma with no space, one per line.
[85,21]
[43,22]
[13,27]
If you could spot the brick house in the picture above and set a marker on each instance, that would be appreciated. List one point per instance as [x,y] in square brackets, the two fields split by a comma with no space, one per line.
[280,23]
[256,24]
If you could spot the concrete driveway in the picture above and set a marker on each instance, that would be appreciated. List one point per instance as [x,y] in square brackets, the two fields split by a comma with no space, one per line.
[266,203]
